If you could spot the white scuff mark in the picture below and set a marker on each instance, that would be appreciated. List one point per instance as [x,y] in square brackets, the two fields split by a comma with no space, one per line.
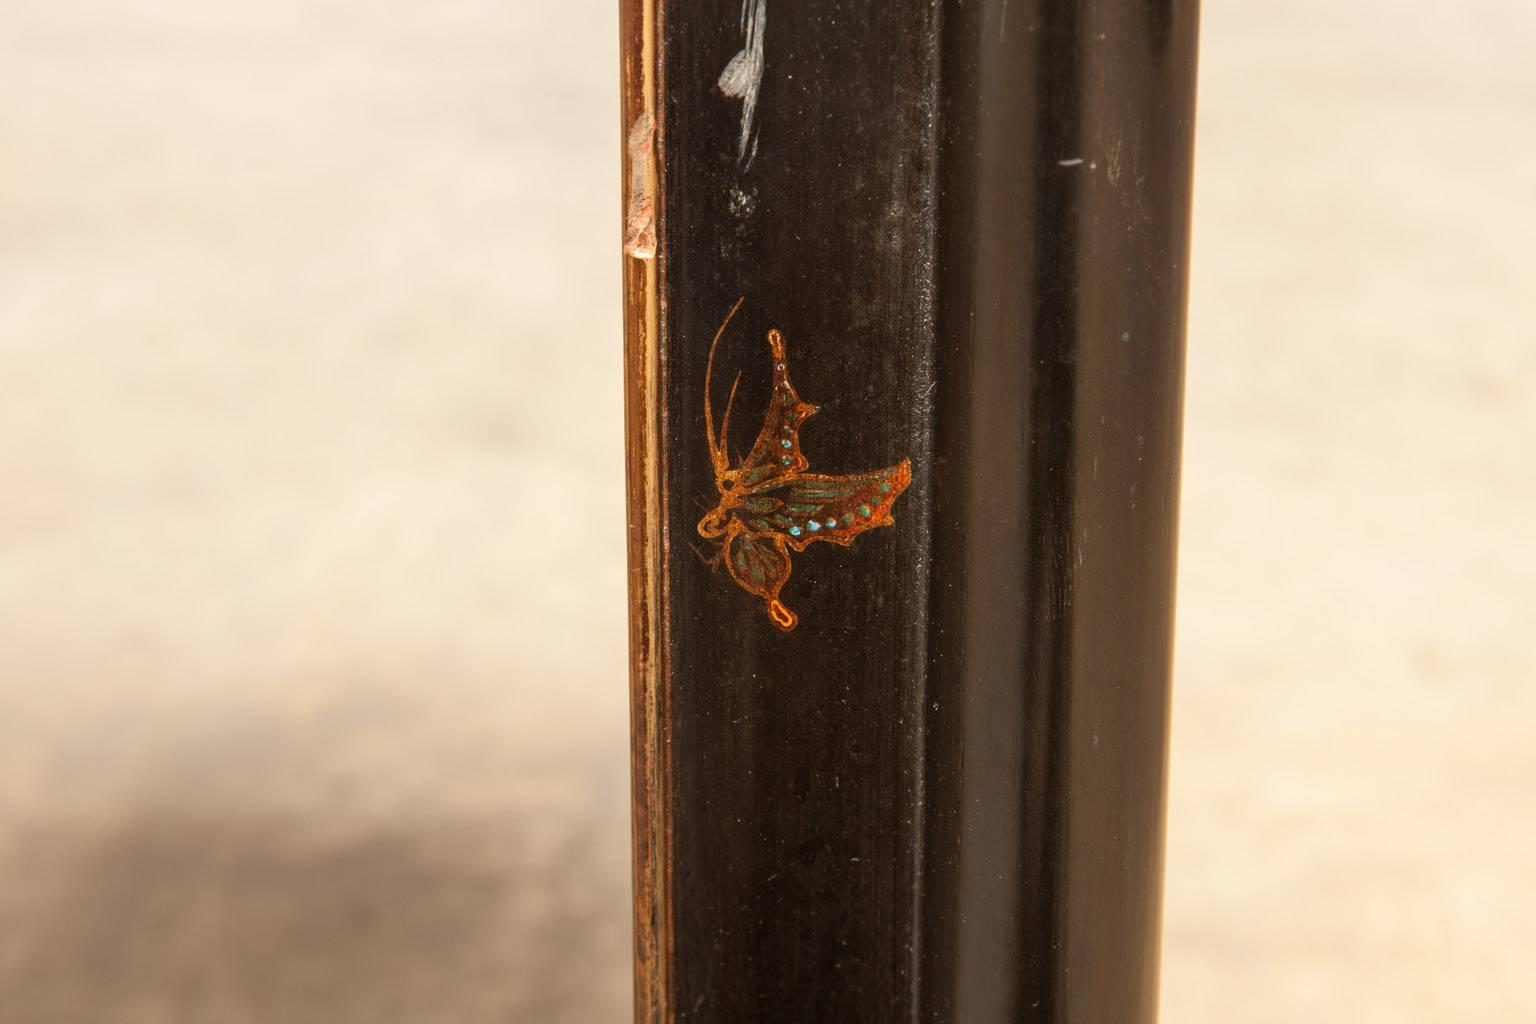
[640,222]
[742,203]
[1002,23]
[743,76]
[1073,162]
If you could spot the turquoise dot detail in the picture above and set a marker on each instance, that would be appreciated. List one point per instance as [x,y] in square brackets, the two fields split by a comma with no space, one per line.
[785,442]
[794,531]
[831,522]
[785,460]
[864,511]
[885,487]
[813,526]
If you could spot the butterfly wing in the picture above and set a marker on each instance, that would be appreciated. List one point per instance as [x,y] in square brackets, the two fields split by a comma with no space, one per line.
[776,453]
[759,563]
[805,509]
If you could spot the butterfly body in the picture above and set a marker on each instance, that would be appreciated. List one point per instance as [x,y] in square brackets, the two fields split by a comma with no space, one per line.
[769,505]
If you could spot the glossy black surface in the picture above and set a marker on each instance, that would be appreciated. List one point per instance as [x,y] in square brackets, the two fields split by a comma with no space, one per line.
[941,796]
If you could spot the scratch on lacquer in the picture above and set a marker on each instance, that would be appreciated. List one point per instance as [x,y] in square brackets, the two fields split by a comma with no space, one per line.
[743,76]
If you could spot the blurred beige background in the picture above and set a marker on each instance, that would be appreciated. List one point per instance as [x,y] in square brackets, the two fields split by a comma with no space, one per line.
[312,692]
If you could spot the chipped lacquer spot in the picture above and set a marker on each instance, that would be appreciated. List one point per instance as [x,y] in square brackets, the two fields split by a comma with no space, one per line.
[640,221]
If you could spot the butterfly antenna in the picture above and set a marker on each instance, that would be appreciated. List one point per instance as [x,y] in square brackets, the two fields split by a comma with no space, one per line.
[725,420]
[716,453]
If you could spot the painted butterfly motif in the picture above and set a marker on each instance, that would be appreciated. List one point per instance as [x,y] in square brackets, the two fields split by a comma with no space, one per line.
[769,503]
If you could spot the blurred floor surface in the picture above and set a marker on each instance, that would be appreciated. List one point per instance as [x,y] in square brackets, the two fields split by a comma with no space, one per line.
[312,681]
[311,541]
